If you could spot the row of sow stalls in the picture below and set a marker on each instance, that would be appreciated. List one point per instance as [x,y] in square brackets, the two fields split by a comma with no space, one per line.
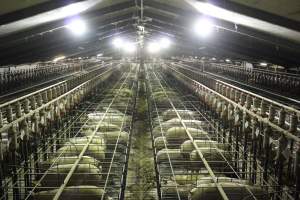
[182,174]
[99,173]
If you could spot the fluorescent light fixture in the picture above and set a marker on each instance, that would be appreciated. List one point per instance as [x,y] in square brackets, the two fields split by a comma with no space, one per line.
[213,58]
[77,26]
[215,11]
[263,64]
[129,47]
[204,27]
[59,58]
[165,42]
[126,46]
[46,17]
[228,60]
[118,42]
[153,47]
[72,9]
[100,54]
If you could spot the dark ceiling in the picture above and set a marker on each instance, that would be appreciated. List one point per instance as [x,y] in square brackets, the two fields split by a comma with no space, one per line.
[34,31]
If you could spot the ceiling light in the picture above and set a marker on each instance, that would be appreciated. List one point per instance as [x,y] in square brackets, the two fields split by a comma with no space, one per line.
[118,43]
[204,27]
[263,64]
[227,60]
[129,47]
[77,26]
[59,58]
[153,47]
[165,42]
[216,11]
[72,9]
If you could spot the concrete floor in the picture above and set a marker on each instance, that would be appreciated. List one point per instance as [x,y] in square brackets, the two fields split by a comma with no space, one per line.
[141,183]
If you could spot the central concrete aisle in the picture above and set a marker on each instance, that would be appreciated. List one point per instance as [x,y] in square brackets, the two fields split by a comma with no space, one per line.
[141,182]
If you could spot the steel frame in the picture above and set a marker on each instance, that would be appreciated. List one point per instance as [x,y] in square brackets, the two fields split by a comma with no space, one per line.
[175,167]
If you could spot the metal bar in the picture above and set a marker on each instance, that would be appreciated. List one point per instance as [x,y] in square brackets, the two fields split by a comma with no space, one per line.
[58,136]
[260,118]
[219,187]
[74,167]
[166,147]
[270,178]
[115,149]
[251,93]
[32,112]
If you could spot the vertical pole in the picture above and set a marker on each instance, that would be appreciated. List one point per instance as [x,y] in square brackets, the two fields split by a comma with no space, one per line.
[297,174]
[283,142]
[266,145]
[2,178]
[13,152]
[237,125]
[246,130]
[230,122]
[35,130]
[255,133]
